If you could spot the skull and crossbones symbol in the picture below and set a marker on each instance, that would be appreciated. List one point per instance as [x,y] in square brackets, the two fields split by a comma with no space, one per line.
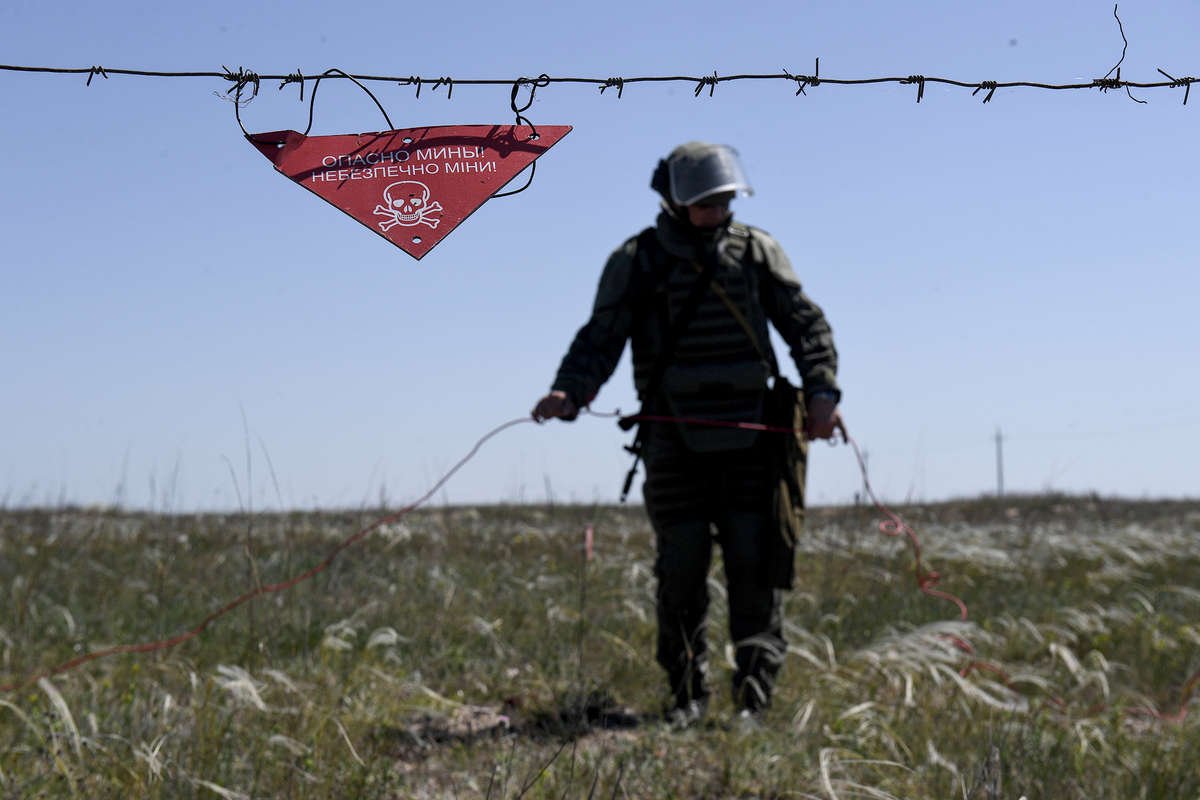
[408,204]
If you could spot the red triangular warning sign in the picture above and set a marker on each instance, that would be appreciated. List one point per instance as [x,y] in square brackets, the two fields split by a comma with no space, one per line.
[411,186]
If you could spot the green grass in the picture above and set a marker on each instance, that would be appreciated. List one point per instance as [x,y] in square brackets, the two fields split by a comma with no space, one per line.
[469,652]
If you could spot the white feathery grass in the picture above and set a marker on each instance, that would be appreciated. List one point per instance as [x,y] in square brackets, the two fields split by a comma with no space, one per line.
[349,744]
[938,760]
[636,609]
[241,685]
[1033,630]
[1143,601]
[291,745]
[64,714]
[1089,733]
[830,653]
[393,533]
[802,716]
[807,655]
[486,627]
[855,711]
[67,619]
[228,794]
[829,763]
[631,652]
[384,637]
[1017,704]
[1131,555]
[1031,679]
[283,680]
[1069,659]
[825,764]
[340,635]
[765,643]
[430,693]
[149,754]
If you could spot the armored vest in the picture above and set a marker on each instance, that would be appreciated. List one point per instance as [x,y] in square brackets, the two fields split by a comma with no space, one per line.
[716,372]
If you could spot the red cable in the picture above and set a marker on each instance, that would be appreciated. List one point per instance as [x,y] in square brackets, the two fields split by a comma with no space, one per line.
[164,644]
[893,526]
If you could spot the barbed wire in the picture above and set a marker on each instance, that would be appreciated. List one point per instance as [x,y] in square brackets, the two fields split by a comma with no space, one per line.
[243,78]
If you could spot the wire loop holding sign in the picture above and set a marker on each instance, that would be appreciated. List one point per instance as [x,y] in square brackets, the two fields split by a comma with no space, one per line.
[241,79]
[313,99]
[534,84]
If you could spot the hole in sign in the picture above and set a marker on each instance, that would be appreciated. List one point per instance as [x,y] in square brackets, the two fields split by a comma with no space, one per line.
[408,140]
[416,240]
[533,137]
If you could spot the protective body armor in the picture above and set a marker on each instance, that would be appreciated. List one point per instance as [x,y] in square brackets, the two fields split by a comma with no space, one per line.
[716,372]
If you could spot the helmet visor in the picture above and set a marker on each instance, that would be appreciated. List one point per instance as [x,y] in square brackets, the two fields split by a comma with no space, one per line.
[696,174]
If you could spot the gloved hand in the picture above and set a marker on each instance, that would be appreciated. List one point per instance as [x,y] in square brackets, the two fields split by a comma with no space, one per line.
[555,405]
[823,417]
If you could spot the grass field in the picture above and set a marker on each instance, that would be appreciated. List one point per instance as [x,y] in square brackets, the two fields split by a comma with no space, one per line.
[472,652]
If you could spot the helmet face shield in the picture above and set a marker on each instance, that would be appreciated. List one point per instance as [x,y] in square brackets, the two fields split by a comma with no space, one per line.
[698,170]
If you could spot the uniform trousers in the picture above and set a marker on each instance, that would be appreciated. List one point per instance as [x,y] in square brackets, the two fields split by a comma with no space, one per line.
[694,500]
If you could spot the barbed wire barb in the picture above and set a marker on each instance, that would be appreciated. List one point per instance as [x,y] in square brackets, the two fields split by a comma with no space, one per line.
[919,80]
[295,77]
[619,83]
[1186,83]
[990,86]
[448,83]
[708,80]
[93,72]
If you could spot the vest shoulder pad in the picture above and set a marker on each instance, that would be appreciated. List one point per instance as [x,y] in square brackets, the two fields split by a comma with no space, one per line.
[766,251]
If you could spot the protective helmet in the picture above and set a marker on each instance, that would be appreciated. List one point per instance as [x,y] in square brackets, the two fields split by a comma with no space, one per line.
[696,170]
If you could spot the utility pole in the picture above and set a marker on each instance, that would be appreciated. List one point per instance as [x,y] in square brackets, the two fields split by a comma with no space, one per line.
[999,463]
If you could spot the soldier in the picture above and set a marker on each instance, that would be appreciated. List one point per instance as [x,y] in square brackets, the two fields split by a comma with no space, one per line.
[694,294]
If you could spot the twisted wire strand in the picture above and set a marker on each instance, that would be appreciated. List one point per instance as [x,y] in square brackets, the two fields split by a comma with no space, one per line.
[698,82]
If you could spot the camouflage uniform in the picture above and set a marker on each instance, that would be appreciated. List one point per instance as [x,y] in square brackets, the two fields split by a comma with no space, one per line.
[697,477]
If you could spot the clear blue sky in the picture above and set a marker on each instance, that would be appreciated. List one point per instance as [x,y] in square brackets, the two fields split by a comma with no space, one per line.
[168,302]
